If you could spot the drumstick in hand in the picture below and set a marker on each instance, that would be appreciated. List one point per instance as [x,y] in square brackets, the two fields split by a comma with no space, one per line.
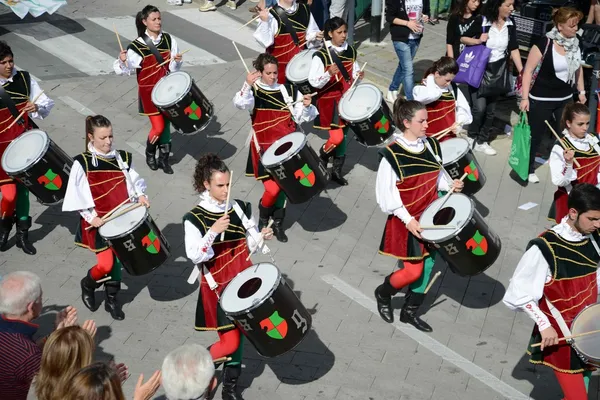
[252,20]
[23,112]
[447,196]
[227,202]
[337,78]
[355,81]
[118,38]
[117,215]
[571,337]
[298,101]
[560,140]
[260,240]
[244,63]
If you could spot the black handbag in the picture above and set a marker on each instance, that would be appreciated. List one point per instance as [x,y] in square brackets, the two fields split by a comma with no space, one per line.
[496,79]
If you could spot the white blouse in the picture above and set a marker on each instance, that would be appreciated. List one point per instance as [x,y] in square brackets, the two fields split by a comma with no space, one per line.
[386,192]
[430,92]
[134,60]
[560,65]
[318,77]
[562,173]
[44,102]
[497,39]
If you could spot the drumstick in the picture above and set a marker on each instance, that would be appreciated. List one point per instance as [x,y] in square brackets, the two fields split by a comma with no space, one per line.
[571,337]
[23,112]
[432,281]
[560,141]
[117,215]
[444,132]
[106,279]
[227,202]
[337,78]
[244,63]
[262,238]
[170,58]
[221,360]
[252,20]
[354,83]
[108,214]
[438,227]
[447,196]
[118,38]
[298,101]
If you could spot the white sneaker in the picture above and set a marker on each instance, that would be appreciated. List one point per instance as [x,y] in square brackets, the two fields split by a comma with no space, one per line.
[231,4]
[207,6]
[533,178]
[485,148]
[392,95]
[175,2]
[187,1]
[471,141]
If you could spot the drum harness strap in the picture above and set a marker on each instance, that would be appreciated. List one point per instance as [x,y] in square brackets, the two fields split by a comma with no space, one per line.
[439,160]
[336,59]
[153,49]
[123,168]
[288,24]
[10,104]
[289,101]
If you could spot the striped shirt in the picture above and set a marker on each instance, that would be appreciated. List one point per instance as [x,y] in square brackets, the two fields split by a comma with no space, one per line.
[20,358]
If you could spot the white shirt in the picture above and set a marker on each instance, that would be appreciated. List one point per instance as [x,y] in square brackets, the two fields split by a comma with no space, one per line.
[414,10]
[266,31]
[386,192]
[134,60]
[526,287]
[44,102]
[198,248]
[560,65]
[430,92]
[318,77]
[497,39]
[562,173]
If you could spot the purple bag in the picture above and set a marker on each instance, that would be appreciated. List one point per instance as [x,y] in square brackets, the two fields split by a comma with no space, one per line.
[471,65]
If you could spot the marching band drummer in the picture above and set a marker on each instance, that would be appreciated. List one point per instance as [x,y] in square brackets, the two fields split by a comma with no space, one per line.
[275,34]
[221,259]
[22,89]
[140,57]
[581,147]
[408,180]
[332,83]
[101,179]
[446,106]
[557,278]
[272,118]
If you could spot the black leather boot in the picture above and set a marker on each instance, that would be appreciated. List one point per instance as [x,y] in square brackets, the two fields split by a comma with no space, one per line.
[231,375]
[278,216]
[6,224]
[111,289]
[151,155]
[88,288]
[324,156]
[383,295]
[23,236]
[336,171]
[264,214]
[163,159]
[408,315]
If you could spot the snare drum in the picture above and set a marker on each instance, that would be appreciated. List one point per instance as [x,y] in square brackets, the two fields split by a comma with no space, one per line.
[266,309]
[297,71]
[458,159]
[136,240]
[367,114]
[587,347]
[38,163]
[470,246]
[180,101]
[295,167]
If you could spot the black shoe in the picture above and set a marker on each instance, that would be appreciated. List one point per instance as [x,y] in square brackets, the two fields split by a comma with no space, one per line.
[383,295]
[88,288]
[408,315]
[163,159]
[23,242]
[111,289]
[278,216]
[6,224]
[264,214]
[231,375]
[336,171]
[151,155]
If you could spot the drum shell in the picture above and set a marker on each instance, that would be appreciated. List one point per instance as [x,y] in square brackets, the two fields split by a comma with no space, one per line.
[457,168]
[175,113]
[284,301]
[54,159]
[578,327]
[365,131]
[303,87]
[132,253]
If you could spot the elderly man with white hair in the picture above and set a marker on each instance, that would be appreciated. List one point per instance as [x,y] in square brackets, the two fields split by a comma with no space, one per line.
[188,372]
[20,355]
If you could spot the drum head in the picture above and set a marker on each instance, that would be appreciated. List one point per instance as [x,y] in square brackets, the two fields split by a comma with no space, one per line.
[250,288]
[297,70]
[588,320]
[453,149]
[123,224]
[283,149]
[457,211]
[171,88]
[25,151]
[361,105]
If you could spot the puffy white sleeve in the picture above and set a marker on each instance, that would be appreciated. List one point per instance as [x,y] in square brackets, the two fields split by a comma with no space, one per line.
[443,182]
[133,61]
[426,94]
[244,99]
[198,248]
[317,76]
[78,196]
[174,66]
[387,194]
[304,114]
[355,70]
[139,184]
[311,34]
[526,286]
[251,234]
[562,174]
[265,31]
[463,109]
[44,102]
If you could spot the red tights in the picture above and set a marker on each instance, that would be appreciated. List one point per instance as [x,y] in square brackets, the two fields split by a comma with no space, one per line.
[572,385]
[158,126]
[9,199]
[336,136]
[403,277]
[105,263]
[228,343]
[271,193]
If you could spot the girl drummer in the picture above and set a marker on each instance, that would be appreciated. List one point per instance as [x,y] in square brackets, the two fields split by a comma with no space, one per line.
[140,57]
[222,259]
[101,179]
[332,83]
[408,180]
[447,108]
[579,146]
[273,117]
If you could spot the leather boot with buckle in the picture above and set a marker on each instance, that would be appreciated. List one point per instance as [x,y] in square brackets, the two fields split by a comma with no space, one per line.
[383,295]
[23,242]
[231,375]
[408,315]
[111,289]
[6,224]
[151,155]
[163,159]
[278,231]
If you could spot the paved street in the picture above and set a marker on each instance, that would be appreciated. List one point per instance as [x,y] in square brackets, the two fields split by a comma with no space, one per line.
[477,348]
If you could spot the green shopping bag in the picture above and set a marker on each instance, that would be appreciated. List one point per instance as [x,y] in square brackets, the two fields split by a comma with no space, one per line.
[519,151]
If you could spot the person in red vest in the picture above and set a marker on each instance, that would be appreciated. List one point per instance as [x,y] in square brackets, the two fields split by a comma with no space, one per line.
[557,278]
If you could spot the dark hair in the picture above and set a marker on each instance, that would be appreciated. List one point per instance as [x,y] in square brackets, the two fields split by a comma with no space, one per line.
[405,109]
[141,16]
[5,50]
[262,60]
[205,167]
[491,10]
[443,66]
[333,24]
[97,381]
[460,8]
[584,197]
[570,111]
[93,122]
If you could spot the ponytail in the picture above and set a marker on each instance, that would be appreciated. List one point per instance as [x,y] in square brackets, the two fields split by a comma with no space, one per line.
[205,167]
[141,16]
[93,122]
[405,109]
[570,111]
[443,66]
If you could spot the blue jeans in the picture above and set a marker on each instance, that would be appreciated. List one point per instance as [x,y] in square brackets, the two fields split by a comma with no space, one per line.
[404,73]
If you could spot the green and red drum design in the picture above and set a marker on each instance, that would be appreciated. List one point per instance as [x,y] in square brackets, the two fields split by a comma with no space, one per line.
[458,159]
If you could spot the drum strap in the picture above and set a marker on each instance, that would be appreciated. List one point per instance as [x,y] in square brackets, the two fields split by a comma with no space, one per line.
[123,168]
[153,49]
[289,100]
[250,225]
[10,104]
[336,59]
[559,319]
[439,160]
[288,24]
